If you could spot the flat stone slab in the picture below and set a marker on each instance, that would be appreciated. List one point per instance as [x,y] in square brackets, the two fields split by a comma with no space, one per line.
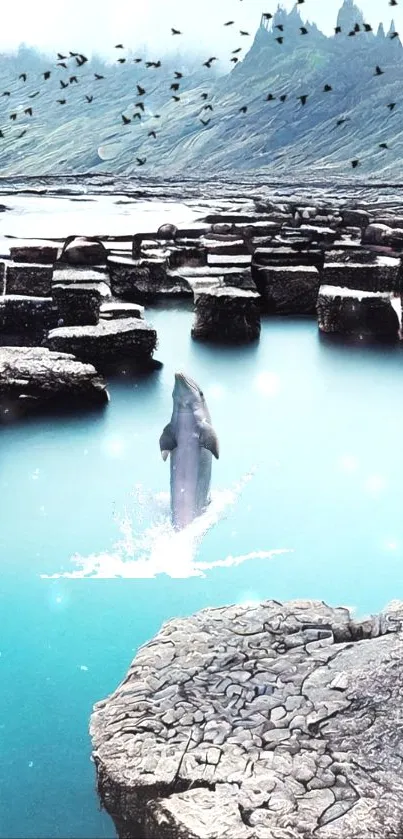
[37,375]
[273,721]
[288,290]
[229,260]
[35,251]
[107,341]
[116,309]
[80,274]
[237,277]
[360,314]
[30,279]
[226,315]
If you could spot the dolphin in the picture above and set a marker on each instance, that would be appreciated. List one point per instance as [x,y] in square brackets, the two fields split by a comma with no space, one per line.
[191,441]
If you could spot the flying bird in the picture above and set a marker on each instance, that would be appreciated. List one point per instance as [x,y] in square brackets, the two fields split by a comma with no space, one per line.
[140,105]
[303,30]
[242,32]
[98,76]
[327,88]
[175,31]
[391,105]
[119,47]
[152,134]
[203,95]
[126,120]
[141,90]
[23,76]
[244,109]
[337,30]
[234,59]
[204,121]
[237,50]
[136,115]
[270,97]
[62,101]
[283,97]
[176,98]
[229,23]
[73,79]
[279,26]
[63,84]
[89,98]
[62,64]
[378,71]
[6,93]
[383,146]
[13,117]
[207,107]
[61,57]
[28,111]
[280,39]
[355,163]
[174,86]
[303,98]
[141,160]
[121,60]
[178,75]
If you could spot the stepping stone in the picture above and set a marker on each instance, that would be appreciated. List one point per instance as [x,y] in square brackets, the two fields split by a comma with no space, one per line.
[287,256]
[229,260]
[227,315]
[35,251]
[21,313]
[78,274]
[381,275]
[115,309]
[187,255]
[139,280]
[83,250]
[24,278]
[79,303]
[236,277]
[217,247]
[35,376]
[319,234]
[107,341]
[362,314]
[288,290]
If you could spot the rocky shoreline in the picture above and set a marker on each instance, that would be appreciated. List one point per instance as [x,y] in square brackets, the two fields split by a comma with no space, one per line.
[272,721]
[85,296]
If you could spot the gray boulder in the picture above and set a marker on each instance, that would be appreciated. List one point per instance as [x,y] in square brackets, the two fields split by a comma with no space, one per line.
[83,250]
[108,341]
[359,314]
[79,303]
[273,721]
[227,315]
[36,376]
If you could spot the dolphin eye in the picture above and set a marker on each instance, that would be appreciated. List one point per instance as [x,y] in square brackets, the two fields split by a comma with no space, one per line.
[201,393]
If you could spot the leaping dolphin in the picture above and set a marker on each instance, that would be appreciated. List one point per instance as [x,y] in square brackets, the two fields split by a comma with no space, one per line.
[190,439]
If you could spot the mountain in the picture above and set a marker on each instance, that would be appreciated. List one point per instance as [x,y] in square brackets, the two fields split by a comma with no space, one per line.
[272,138]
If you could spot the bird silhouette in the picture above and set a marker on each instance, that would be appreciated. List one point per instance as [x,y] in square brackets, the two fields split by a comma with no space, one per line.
[119,47]
[283,97]
[13,117]
[136,115]
[267,15]
[61,57]
[62,64]
[205,121]
[176,98]
[303,98]
[22,134]
[1,133]
[203,95]
[73,80]
[393,35]
[243,109]
[337,30]
[89,98]
[270,97]
[178,75]
[242,32]
[62,101]
[303,30]
[174,86]
[98,76]
[141,90]
[279,26]
[383,146]
[229,23]
[125,120]
[28,111]
[342,120]
[121,60]
[139,105]
[355,163]
[327,88]
[152,134]
[23,76]
[175,31]
[391,105]
[239,49]
[63,84]
[137,60]
[207,107]
[280,39]
[6,93]
[378,71]
[141,160]
[234,59]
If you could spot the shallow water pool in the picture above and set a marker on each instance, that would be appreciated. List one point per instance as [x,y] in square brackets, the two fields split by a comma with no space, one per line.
[306,503]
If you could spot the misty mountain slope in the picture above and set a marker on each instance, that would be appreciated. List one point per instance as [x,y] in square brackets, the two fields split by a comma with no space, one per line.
[271,138]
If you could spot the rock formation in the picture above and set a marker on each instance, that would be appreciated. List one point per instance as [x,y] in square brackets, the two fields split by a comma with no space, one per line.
[274,721]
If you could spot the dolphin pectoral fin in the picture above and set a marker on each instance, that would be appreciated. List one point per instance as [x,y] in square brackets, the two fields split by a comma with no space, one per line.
[208,439]
[167,441]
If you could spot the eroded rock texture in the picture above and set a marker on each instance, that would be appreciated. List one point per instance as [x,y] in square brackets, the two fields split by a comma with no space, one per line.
[280,721]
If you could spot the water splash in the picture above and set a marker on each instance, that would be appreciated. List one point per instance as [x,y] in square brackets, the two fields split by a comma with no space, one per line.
[145,552]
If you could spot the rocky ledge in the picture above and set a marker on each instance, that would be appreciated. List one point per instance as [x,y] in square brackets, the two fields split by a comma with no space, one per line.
[275,721]
[35,377]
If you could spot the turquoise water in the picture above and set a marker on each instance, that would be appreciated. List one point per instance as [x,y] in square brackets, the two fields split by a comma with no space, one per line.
[307,503]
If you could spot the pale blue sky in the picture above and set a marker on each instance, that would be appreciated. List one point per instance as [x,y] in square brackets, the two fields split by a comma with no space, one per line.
[96,25]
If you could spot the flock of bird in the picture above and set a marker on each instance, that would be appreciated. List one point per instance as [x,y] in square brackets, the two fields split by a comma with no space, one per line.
[73,61]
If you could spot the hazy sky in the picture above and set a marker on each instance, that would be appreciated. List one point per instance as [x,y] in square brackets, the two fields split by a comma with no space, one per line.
[96,25]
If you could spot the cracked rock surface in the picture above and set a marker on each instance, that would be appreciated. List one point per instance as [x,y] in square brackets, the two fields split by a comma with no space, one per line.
[275,721]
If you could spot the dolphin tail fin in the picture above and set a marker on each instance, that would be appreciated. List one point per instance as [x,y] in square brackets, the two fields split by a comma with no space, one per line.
[168,441]
[208,439]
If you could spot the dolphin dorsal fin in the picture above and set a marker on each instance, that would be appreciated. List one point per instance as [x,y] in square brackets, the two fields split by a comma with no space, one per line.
[168,441]
[208,439]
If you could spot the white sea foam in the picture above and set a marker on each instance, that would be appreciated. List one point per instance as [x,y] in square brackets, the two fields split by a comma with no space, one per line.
[145,552]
